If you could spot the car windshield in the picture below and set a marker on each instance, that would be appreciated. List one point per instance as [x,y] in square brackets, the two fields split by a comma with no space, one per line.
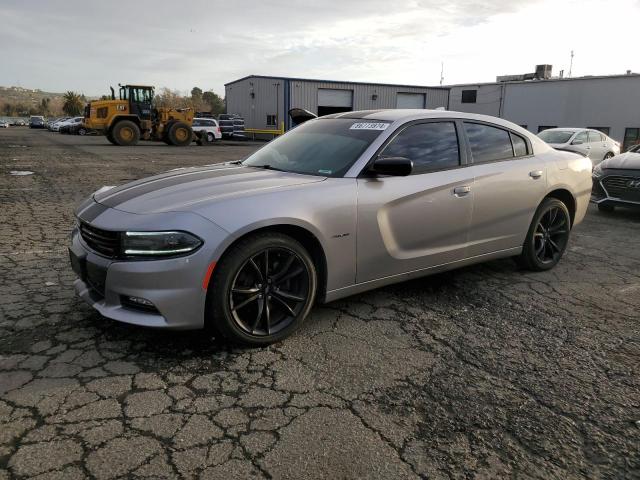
[327,147]
[556,136]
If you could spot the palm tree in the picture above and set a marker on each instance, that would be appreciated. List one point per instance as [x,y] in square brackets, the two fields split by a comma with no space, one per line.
[72,105]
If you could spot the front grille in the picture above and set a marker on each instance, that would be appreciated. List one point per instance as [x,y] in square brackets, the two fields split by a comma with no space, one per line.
[622,187]
[104,242]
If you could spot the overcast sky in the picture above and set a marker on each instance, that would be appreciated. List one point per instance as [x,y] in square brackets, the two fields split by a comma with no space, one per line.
[81,45]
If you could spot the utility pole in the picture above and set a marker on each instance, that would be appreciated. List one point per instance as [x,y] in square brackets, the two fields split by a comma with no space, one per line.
[441,73]
[571,64]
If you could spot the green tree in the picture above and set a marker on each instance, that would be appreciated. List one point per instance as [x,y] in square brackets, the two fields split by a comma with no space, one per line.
[196,95]
[72,105]
[214,101]
[44,107]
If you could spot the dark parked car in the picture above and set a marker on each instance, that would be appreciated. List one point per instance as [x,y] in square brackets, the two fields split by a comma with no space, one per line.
[616,181]
[36,121]
[231,126]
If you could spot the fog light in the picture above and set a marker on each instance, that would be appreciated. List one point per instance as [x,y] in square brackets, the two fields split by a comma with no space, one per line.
[141,301]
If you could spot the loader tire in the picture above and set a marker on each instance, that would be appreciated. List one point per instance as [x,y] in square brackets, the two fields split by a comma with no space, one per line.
[126,133]
[180,134]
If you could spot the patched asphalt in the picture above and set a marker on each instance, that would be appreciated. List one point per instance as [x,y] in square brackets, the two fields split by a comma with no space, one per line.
[484,372]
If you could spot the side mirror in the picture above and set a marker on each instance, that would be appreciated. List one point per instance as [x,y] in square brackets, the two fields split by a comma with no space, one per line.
[394,166]
[577,142]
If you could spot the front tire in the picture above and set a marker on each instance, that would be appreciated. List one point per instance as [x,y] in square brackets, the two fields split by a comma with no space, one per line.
[262,290]
[126,133]
[606,208]
[180,134]
[547,237]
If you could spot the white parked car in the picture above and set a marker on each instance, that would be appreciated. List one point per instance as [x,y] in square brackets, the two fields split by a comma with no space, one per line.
[208,125]
[55,125]
[4,124]
[591,143]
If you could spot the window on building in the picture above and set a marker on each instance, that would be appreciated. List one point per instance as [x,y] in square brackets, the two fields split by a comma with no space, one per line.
[604,130]
[519,145]
[631,138]
[546,127]
[271,120]
[488,143]
[469,96]
[595,137]
[431,146]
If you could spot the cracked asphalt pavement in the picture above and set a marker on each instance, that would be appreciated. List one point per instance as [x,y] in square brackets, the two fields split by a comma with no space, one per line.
[484,372]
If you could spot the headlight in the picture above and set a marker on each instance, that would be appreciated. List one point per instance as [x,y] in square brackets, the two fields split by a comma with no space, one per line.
[597,171]
[158,244]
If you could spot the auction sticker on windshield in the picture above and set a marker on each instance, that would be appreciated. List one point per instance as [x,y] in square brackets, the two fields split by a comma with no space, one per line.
[369,126]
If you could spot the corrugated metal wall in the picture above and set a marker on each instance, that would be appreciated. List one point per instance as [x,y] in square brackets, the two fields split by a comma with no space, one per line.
[304,94]
[269,97]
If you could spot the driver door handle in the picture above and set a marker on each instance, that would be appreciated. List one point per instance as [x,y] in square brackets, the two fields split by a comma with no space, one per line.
[462,191]
[535,174]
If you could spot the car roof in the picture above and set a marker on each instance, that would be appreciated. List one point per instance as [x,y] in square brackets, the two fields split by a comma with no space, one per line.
[401,115]
[204,118]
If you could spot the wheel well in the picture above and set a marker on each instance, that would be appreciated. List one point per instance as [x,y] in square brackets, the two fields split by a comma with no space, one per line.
[565,197]
[132,118]
[308,240]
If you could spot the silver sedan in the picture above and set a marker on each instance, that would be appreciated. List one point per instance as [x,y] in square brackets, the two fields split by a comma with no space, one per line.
[339,205]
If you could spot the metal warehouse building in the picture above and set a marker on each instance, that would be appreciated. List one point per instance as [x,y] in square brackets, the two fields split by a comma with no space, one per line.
[265,101]
[535,101]
[610,104]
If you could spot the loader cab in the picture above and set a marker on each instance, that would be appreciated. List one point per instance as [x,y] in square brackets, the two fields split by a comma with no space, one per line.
[140,100]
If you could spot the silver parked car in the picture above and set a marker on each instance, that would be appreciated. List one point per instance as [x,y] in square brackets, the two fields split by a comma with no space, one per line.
[339,205]
[590,143]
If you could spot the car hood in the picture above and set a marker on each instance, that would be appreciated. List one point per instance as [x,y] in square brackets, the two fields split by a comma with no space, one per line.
[629,160]
[187,188]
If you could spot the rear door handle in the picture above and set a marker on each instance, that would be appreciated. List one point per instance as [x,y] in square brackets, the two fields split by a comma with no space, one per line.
[535,174]
[461,191]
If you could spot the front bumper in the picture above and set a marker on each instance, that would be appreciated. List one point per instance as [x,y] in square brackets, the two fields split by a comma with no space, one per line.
[173,285]
[604,192]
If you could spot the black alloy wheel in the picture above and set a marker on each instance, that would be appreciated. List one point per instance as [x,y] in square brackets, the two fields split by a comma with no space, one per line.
[551,235]
[269,291]
[548,236]
[262,289]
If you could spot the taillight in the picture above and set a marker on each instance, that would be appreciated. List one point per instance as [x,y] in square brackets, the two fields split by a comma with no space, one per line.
[218,129]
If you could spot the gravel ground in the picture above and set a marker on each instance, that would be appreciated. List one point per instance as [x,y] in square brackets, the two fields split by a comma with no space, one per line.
[484,372]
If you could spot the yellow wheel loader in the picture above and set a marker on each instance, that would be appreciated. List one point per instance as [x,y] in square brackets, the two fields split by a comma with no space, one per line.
[132,116]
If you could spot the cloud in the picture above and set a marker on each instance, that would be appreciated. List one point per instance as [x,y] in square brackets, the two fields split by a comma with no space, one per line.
[86,46]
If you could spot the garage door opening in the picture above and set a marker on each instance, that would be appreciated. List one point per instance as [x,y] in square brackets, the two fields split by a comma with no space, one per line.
[333,100]
[410,100]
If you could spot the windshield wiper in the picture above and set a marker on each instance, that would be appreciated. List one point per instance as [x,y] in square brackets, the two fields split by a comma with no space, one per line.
[236,162]
[266,167]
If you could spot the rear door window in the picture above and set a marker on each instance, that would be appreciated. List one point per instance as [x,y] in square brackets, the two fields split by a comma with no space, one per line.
[594,136]
[487,143]
[519,145]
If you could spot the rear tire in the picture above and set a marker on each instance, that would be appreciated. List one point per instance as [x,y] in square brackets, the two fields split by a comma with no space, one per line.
[82,131]
[547,237]
[180,134]
[606,208]
[110,138]
[262,290]
[126,133]
[211,137]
